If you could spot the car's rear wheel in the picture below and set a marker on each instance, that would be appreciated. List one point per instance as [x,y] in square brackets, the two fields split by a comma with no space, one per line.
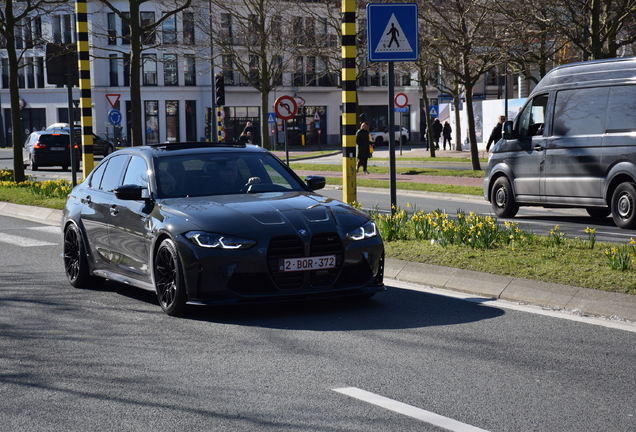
[598,212]
[624,206]
[75,262]
[503,199]
[169,283]
[379,140]
[33,165]
[108,150]
[403,139]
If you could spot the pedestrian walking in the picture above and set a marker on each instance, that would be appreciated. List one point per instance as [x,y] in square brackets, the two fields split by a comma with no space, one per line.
[437,132]
[447,135]
[495,135]
[363,138]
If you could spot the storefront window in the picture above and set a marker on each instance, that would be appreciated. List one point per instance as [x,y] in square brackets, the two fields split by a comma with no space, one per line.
[152,122]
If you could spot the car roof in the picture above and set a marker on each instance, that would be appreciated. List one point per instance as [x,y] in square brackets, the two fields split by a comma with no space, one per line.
[186,148]
[50,132]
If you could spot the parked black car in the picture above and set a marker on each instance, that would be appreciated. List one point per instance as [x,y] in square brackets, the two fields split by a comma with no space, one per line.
[216,223]
[101,146]
[48,148]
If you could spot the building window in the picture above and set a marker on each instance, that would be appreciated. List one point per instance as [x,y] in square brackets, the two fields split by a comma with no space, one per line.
[226,26]
[125,29]
[30,74]
[147,36]
[5,72]
[39,71]
[191,120]
[299,76]
[188,28]
[170,70]
[228,75]
[169,29]
[254,71]
[112,28]
[172,121]
[189,71]
[277,70]
[126,70]
[152,122]
[113,68]
[149,69]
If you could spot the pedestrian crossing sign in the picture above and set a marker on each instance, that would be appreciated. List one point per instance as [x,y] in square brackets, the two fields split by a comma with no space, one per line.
[392,32]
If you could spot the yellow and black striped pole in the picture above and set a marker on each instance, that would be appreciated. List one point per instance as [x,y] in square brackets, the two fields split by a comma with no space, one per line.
[219,124]
[349,101]
[86,110]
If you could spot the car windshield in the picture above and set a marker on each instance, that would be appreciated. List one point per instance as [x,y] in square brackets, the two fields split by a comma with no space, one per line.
[222,174]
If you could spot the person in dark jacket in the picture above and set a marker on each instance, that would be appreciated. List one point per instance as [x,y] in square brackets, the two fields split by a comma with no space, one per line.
[362,141]
[437,132]
[495,135]
[447,135]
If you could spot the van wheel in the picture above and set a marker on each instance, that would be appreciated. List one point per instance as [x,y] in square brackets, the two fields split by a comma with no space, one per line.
[503,200]
[598,212]
[623,206]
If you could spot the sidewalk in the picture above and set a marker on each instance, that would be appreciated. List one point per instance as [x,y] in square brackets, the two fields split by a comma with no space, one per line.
[583,301]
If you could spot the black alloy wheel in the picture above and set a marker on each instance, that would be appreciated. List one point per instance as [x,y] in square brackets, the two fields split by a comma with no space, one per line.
[75,263]
[168,279]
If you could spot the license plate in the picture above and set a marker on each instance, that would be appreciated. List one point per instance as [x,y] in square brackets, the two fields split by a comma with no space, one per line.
[58,148]
[311,263]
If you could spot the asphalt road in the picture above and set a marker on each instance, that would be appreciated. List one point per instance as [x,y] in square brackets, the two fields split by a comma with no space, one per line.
[411,358]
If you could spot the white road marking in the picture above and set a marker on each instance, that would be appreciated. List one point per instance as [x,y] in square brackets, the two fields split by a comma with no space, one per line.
[538,310]
[51,229]
[23,241]
[408,410]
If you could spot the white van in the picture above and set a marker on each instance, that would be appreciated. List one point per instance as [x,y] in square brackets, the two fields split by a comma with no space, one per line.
[573,144]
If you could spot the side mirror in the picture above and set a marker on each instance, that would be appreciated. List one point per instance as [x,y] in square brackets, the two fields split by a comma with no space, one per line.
[508,131]
[315,182]
[131,192]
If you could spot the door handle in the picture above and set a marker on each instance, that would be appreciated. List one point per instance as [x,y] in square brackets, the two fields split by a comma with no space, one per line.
[87,200]
[113,210]
[538,147]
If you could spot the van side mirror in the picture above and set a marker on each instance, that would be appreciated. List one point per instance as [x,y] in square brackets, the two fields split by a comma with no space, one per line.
[508,132]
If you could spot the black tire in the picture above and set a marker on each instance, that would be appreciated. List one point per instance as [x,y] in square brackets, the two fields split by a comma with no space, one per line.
[32,164]
[108,150]
[598,212]
[379,140]
[75,262]
[64,167]
[502,199]
[403,139]
[168,277]
[624,206]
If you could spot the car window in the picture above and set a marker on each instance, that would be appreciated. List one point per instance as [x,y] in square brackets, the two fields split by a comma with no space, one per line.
[530,121]
[580,111]
[54,139]
[221,174]
[114,172]
[98,174]
[137,172]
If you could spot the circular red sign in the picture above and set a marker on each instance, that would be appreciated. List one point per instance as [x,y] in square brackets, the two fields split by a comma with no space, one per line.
[285,107]
[401,100]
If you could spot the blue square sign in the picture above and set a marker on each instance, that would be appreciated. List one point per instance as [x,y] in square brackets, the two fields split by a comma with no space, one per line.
[392,32]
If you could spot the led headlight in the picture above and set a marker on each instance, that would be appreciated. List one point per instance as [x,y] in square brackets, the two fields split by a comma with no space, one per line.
[367,230]
[218,241]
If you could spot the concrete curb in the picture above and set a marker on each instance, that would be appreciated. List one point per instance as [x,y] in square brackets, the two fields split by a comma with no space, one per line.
[583,301]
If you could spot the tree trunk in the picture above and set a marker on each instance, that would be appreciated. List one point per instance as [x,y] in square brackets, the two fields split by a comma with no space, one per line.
[136,115]
[472,136]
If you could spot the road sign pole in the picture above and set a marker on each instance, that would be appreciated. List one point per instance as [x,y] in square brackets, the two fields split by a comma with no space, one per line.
[391,113]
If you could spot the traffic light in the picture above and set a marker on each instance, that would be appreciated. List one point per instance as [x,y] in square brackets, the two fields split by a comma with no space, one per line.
[219,86]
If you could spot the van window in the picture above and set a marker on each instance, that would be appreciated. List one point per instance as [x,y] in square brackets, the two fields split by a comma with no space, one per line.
[621,109]
[532,117]
[580,112]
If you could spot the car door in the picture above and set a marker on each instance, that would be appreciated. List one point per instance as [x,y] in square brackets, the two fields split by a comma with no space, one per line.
[526,155]
[129,225]
[96,208]
[574,147]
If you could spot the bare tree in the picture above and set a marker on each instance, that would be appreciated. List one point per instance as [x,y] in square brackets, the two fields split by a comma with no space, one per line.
[15,17]
[142,36]
[467,39]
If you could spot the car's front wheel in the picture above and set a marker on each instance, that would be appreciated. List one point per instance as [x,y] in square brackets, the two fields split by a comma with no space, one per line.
[503,199]
[624,206]
[169,283]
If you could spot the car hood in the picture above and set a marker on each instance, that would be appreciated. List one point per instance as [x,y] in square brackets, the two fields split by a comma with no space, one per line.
[246,213]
